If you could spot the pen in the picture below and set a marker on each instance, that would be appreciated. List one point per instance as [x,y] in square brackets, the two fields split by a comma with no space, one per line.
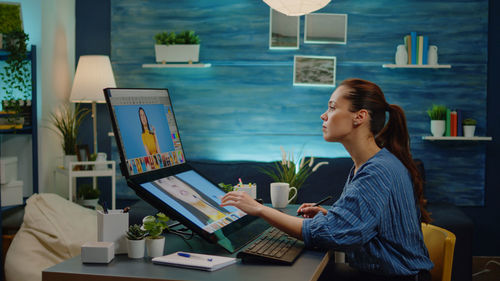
[186,255]
[104,207]
[126,209]
[317,204]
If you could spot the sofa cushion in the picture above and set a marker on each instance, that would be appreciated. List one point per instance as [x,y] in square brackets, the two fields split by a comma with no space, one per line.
[52,231]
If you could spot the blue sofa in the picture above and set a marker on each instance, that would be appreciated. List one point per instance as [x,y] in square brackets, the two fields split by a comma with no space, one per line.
[330,180]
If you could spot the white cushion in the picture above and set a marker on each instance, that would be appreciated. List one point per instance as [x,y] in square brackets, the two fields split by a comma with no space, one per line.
[53,230]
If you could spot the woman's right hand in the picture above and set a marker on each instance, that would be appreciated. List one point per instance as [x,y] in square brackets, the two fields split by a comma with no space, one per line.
[308,210]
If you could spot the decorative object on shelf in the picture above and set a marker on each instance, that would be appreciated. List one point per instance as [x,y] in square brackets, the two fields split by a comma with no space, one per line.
[11,18]
[88,196]
[316,33]
[135,241]
[314,71]
[438,119]
[93,73]
[66,123]
[154,227]
[16,78]
[432,58]
[296,7]
[287,171]
[469,127]
[83,154]
[177,47]
[401,57]
[101,157]
[283,31]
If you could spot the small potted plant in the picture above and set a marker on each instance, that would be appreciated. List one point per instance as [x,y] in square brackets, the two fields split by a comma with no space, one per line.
[66,123]
[135,241]
[469,127]
[88,196]
[437,113]
[177,47]
[154,227]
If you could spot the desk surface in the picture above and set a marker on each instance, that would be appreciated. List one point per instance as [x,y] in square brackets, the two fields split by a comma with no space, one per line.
[308,266]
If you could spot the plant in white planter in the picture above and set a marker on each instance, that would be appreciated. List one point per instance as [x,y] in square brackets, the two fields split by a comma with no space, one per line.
[177,47]
[154,227]
[469,127]
[88,196]
[438,116]
[135,241]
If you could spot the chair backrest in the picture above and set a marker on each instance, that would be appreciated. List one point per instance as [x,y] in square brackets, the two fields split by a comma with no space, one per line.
[441,245]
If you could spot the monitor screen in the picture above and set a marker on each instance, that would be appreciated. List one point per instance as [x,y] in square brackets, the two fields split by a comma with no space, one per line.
[147,129]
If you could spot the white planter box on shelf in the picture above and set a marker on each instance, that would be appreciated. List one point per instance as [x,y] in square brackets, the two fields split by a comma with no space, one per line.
[177,53]
[8,169]
[12,193]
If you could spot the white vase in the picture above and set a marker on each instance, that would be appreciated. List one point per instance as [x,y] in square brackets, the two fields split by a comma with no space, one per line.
[432,55]
[135,248]
[155,247]
[177,53]
[438,127]
[67,159]
[401,55]
[91,203]
[469,130]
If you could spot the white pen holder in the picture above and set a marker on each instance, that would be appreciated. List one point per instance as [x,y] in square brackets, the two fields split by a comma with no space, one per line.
[250,189]
[112,227]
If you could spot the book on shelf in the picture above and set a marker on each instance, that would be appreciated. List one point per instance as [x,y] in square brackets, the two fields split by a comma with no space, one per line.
[460,131]
[453,123]
[413,36]
[420,49]
[447,131]
[425,47]
[407,40]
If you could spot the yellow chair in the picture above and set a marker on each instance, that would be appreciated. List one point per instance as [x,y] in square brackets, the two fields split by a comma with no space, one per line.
[441,245]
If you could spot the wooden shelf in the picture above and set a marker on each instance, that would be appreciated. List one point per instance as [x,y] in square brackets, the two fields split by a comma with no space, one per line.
[475,138]
[417,66]
[176,65]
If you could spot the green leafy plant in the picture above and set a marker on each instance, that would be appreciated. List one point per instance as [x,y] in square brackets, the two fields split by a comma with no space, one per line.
[87,191]
[226,187]
[67,123]
[10,17]
[437,112]
[171,38]
[154,226]
[135,232]
[16,75]
[287,171]
[469,122]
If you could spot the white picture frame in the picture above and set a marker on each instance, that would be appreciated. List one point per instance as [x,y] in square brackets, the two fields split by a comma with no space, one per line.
[318,71]
[284,31]
[325,29]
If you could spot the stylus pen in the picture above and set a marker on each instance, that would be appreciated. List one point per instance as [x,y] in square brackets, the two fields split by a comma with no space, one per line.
[317,204]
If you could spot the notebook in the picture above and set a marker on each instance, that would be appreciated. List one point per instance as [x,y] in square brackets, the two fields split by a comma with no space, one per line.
[154,164]
[195,261]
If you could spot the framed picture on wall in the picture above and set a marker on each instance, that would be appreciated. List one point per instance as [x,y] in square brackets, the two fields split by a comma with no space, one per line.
[325,29]
[314,71]
[283,31]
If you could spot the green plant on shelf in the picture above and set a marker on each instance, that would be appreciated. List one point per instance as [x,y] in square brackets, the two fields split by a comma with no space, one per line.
[437,112]
[171,38]
[469,122]
[87,192]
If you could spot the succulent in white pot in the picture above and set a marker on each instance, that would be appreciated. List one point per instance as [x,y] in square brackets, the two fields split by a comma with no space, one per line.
[135,241]
[469,127]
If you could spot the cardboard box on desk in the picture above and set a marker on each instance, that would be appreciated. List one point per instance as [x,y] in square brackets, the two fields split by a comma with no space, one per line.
[112,227]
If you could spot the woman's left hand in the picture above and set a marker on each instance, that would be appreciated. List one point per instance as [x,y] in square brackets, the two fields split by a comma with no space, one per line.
[242,201]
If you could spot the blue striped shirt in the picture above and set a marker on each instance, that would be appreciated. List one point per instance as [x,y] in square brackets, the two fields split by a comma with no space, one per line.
[376,220]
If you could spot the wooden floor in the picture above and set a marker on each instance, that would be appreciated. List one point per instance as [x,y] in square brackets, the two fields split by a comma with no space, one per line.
[485,268]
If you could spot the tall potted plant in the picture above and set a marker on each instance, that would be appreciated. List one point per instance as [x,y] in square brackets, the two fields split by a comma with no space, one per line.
[177,47]
[154,227]
[66,123]
[437,113]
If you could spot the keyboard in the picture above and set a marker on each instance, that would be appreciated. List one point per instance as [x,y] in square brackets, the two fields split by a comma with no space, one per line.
[274,246]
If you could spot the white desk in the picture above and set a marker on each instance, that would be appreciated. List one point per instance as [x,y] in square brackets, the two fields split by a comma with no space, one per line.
[72,175]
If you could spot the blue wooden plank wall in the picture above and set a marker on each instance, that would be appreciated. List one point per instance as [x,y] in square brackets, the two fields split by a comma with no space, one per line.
[245,106]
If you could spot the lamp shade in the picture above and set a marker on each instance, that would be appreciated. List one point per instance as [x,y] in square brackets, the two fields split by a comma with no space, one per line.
[296,7]
[93,74]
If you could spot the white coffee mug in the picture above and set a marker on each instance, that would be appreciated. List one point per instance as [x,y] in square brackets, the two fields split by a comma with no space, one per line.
[279,194]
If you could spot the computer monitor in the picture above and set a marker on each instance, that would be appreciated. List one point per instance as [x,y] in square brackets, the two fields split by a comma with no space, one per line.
[154,163]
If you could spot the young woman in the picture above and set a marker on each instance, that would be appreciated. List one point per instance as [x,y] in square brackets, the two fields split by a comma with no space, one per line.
[148,136]
[376,220]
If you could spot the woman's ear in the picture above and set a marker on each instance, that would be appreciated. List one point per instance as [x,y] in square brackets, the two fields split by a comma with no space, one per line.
[360,117]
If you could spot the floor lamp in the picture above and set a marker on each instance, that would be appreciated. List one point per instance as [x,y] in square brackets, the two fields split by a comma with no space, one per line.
[93,74]
[296,7]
